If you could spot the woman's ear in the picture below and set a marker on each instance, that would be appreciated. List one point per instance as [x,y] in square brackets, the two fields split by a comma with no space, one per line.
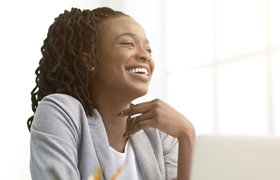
[89,61]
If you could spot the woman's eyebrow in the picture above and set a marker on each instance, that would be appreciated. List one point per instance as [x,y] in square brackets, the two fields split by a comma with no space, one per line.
[126,34]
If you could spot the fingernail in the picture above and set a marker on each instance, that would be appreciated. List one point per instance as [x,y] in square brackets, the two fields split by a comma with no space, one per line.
[120,113]
[125,134]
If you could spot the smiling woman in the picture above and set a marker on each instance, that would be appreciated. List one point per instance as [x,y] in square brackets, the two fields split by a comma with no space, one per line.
[94,64]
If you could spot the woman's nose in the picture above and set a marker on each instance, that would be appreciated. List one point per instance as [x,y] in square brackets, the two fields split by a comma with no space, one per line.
[143,54]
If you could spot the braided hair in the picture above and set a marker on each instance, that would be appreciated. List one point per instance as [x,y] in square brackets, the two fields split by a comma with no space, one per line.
[61,69]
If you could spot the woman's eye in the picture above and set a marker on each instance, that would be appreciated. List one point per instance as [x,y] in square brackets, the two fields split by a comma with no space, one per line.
[149,50]
[128,43]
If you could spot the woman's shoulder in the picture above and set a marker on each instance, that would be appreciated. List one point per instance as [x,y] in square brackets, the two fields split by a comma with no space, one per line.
[66,103]
[58,122]
[61,99]
[59,110]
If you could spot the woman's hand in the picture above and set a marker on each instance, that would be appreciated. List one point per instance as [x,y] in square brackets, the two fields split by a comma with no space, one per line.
[160,115]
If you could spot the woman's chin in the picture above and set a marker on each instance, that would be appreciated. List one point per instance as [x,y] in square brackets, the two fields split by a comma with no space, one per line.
[140,92]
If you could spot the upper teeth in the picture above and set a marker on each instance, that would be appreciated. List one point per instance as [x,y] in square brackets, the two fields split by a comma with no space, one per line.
[141,70]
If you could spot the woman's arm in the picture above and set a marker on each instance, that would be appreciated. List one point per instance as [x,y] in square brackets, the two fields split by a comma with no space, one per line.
[184,159]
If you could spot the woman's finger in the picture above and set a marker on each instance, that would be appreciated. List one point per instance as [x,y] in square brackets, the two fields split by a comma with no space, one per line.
[134,119]
[128,122]
[138,108]
[139,125]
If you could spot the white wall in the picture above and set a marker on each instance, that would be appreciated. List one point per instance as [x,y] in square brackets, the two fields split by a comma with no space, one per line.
[23,28]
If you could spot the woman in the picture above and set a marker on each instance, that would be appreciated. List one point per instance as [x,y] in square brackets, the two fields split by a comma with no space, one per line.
[94,64]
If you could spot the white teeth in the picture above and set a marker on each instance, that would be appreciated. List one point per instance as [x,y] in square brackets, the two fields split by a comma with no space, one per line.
[139,70]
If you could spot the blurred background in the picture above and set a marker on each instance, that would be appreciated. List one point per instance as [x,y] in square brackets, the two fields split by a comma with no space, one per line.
[217,62]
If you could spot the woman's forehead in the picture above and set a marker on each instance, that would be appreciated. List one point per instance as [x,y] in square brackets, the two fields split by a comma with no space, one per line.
[122,25]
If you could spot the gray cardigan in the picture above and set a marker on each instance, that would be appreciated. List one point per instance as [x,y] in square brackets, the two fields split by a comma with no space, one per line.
[66,144]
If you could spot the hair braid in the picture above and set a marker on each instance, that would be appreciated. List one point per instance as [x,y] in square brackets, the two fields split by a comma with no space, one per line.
[61,69]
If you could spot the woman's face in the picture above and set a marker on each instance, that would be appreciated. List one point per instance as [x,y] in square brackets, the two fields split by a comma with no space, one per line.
[126,65]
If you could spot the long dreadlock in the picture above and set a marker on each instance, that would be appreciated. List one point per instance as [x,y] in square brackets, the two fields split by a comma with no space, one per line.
[61,69]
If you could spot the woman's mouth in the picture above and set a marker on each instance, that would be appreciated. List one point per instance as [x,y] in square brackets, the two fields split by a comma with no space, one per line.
[139,70]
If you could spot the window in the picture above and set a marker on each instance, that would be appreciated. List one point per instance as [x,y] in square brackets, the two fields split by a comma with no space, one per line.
[223,63]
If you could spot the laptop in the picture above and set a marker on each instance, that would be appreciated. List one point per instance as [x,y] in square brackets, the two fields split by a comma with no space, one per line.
[232,157]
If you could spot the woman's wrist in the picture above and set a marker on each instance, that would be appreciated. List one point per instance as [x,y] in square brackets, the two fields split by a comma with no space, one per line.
[188,135]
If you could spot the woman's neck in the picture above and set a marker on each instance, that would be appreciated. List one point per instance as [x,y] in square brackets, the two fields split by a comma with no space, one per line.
[115,125]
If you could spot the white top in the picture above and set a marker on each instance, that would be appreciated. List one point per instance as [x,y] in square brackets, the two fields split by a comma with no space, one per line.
[125,163]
